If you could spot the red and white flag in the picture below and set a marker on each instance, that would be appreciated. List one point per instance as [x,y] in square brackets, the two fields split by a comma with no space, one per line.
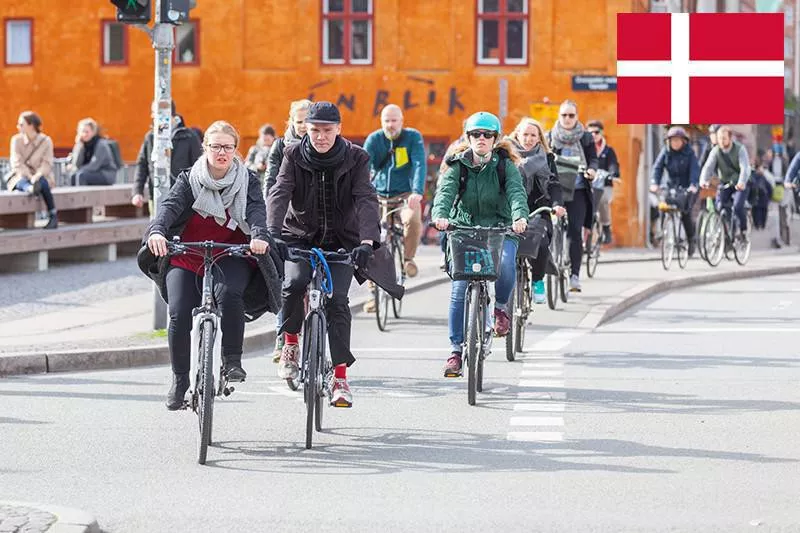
[700,68]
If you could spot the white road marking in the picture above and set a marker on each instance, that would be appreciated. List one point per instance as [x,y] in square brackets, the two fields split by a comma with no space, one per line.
[537,421]
[542,383]
[724,329]
[540,407]
[547,364]
[542,373]
[783,304]
[542,395]
[535,436]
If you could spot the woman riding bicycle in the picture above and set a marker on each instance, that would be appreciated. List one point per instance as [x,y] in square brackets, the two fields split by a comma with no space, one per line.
[218,200]
[482,201]
[540,177]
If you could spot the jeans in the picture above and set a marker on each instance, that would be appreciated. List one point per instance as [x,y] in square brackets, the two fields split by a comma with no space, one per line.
[297,277]
[184,293]
[91,177]
[579,213]
[502,292]
[24,184]
[739,197]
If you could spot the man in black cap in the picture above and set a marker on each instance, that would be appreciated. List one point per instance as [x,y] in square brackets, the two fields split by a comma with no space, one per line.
[323,198]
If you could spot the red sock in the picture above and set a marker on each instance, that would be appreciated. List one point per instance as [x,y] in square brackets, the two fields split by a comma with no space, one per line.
[340,371]
[291,338]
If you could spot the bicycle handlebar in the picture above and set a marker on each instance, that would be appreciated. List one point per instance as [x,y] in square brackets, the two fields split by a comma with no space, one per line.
[340,257]
[175,247]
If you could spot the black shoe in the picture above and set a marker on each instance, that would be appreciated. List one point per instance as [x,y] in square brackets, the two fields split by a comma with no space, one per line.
[52,223]
[776,244]
[606,235]
[175,396]
[691,247]
[234,373]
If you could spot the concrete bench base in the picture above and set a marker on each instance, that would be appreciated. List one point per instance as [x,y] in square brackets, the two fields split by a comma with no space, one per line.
[25,262]
[85,254]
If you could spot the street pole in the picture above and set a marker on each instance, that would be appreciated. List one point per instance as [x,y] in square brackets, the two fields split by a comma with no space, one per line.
[164,43]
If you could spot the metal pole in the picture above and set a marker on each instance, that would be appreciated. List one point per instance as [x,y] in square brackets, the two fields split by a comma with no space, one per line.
[163,42]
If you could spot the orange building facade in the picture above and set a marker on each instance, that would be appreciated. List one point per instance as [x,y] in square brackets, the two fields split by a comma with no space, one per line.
[245,60]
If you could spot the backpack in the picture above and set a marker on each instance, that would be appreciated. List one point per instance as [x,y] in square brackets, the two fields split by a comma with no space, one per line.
[502,155]
[115,151]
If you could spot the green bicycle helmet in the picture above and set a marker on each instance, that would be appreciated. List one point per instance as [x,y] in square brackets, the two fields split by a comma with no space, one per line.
[482,120]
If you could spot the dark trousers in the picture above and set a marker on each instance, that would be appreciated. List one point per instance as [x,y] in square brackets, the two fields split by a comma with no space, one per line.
[760,217]
[25,185]
[539,265]
[686,215]
[297,277]
[579,213]
[739,197]
[184,293]
[91,177]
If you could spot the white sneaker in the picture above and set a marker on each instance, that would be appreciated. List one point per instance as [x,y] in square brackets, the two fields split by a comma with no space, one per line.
[288,367]
[574,284]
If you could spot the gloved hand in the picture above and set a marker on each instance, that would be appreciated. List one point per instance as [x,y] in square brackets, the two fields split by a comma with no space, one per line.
[361,255]
[281,248]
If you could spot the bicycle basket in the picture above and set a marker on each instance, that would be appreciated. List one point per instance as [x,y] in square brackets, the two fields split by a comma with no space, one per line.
[474,254]
[678,198]
[531,240]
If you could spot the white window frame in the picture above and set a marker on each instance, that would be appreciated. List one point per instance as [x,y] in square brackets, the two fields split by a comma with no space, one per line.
[347,19]
[502,33]
[13,46]
[107,25]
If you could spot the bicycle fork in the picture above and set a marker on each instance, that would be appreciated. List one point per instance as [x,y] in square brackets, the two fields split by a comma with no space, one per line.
[198,319]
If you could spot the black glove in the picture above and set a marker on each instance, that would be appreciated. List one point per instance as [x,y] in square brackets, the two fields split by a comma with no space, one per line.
[361,255]
[281,248]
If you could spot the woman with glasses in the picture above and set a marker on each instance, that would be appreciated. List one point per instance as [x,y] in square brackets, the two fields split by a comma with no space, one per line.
[569,139]
[482,200]
[218,200]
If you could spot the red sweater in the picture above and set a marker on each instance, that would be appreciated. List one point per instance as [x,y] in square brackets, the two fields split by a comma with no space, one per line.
[200,229]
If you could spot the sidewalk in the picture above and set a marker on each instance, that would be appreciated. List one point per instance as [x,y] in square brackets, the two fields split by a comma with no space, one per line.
[40,518]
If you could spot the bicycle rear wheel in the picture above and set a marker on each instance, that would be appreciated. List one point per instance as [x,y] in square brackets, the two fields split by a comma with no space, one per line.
[524,295]
[714,240]
[702,220]
[398,254]
[381,307]
[667,240]
[513,307]
[205,391]
[741,241]
[551,280]
[474,337]
[681,243]
[593,248]
[564,268]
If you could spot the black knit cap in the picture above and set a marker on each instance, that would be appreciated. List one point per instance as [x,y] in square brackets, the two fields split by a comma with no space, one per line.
[323,113]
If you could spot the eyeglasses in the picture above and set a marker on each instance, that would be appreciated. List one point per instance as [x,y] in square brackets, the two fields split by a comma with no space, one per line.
[480,133]
[568,115]
[218,148]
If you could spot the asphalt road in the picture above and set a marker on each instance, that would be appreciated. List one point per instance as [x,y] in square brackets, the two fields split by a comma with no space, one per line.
[679,416]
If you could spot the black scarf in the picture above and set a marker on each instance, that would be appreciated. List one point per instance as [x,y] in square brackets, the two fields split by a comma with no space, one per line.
[329,160]
[88,149]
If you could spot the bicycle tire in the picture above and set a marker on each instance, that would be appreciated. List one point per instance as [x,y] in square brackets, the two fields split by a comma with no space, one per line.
[551,280]
[681,243]
[206,393]
[727,226]
[474,340]
[322,367]
[381,307]
[524,294]
[513,307]
[564,268]
[593,248]
[714,240]
[310,385]
[702,220]
[481,354]
[398,252]
[667,241]
[741,252]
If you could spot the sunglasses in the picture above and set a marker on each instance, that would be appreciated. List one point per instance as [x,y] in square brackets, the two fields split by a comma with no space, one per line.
[484,134]
[568,115]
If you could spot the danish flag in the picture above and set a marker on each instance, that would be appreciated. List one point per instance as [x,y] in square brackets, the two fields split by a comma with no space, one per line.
[700,68]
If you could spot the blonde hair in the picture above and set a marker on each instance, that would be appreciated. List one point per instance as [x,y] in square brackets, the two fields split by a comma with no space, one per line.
[524,123]
[294,107]
[221,126]
[88,121]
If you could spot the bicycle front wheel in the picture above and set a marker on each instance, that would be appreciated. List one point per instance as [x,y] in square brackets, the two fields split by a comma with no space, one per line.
[741,242]
[681,243]
[474,335]
[399,265]
[381,307]
[593,248]
[702,220]
[564,268]
[311,383]
[205,390]
[667,241]
[714,239]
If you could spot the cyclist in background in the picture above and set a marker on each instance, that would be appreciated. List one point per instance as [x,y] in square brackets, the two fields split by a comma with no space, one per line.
[729,161]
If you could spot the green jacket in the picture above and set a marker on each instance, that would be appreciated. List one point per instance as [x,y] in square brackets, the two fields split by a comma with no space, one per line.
[482,204]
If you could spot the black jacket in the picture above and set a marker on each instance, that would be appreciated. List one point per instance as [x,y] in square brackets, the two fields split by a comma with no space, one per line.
[607,160]
[276,158]
[263,294]
[186,148]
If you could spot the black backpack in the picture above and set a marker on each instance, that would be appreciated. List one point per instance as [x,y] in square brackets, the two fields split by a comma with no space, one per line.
[502,155]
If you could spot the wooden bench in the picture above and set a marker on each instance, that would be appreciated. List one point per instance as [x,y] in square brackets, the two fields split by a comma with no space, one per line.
[75,205]
[94,222]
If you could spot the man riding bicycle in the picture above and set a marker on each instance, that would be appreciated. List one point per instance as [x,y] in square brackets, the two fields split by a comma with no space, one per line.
[683,172]
[729,161]
[323,198]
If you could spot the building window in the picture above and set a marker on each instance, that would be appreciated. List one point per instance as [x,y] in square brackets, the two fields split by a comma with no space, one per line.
[347,32]
[502,32]
[115,43]
[187,43]
[19,42]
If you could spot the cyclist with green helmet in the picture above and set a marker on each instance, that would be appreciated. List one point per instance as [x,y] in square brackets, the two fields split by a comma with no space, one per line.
[482,200]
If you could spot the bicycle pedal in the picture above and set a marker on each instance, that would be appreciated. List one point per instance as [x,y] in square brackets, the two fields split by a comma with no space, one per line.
[453,374]
[342,404]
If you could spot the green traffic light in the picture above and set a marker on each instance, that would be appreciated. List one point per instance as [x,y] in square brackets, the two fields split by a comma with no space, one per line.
[131,4]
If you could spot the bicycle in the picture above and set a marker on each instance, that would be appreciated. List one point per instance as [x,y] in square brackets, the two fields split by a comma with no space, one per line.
[206,342]
[392,235]
[520,300]
[702,221]
[724,237]
[316,368]
[474,254]
[556,284]
[673,233]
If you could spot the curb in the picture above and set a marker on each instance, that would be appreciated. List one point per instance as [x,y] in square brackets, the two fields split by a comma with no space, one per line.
[158,354]
[604,313]
[67,520]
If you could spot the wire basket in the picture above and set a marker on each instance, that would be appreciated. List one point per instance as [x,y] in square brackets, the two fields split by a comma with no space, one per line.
[474,254]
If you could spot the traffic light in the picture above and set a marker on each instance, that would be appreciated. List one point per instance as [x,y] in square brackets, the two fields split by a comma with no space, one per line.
[133,11]
[175,11]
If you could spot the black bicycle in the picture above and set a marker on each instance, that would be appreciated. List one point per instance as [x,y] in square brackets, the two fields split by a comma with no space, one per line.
[316,369]
[724,237]
[673,233]
[556,284]
[520,302]
[206,338]
[391,236]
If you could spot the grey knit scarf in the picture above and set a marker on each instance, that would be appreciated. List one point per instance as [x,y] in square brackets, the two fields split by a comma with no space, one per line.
[214,197]
[564,138]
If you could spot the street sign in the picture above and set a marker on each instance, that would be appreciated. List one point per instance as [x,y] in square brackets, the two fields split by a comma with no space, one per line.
[546,114]
[594,83]
[503,99]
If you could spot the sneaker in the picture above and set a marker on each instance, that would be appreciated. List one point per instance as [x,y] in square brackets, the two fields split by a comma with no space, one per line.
[370,306]
[52,222]
[234,372]
[502,323]
[288,368]
[340,393]
[574,283]
[692,247]
[538,292]
[775,243]
[453,367]
[411,268]
[175,396]
[276,355]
